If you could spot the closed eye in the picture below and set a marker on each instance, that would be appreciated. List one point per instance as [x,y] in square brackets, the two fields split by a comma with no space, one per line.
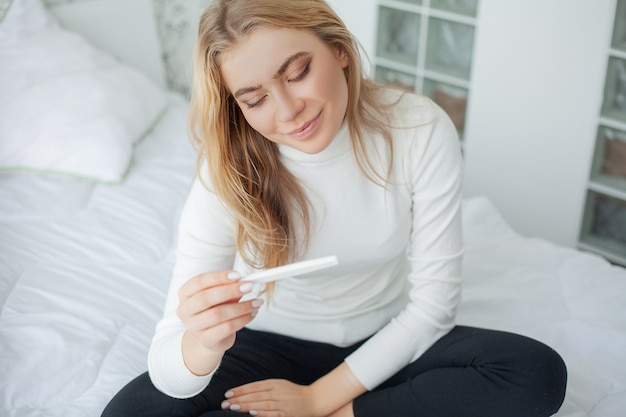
[256,103]
[302,74]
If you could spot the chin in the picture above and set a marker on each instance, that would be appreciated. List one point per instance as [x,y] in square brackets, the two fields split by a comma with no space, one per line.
[312,148]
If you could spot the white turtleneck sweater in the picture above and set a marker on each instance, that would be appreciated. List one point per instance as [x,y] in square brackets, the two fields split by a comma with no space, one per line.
[399,249]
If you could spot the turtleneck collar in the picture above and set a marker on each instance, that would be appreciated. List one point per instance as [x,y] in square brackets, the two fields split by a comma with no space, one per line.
[338,147]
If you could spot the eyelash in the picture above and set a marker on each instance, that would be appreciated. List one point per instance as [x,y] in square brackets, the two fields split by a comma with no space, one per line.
[253,105]
[299,77]
[303,74]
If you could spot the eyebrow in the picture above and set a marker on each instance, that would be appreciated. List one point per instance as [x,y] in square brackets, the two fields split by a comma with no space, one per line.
[281,70]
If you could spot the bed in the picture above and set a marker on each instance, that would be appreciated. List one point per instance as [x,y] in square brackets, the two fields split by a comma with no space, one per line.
[86,247]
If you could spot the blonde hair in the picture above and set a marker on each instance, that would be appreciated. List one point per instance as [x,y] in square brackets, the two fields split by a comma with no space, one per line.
[245,170]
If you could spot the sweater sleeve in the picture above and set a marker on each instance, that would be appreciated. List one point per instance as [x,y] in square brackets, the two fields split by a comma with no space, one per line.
[435,257]
[205,243]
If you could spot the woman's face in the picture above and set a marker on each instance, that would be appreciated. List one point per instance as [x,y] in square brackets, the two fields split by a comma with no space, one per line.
[290,86]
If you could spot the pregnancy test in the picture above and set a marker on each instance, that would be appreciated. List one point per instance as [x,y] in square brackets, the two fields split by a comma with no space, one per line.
[291,270]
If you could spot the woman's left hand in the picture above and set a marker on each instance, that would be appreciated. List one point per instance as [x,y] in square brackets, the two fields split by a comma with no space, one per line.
[272,398]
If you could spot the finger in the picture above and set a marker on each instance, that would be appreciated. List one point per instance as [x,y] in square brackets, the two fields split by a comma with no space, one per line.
[222,294]
[207,280]
[223,313]
[252,397]
[211,297]
[224,332]
[252,387]
[259,408]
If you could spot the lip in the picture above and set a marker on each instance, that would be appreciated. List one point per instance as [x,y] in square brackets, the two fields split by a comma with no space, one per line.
[307,129]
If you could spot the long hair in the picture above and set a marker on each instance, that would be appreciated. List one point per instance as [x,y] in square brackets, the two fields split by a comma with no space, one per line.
[268,204]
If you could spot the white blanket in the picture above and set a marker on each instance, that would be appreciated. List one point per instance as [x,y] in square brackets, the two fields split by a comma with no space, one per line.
[84,269]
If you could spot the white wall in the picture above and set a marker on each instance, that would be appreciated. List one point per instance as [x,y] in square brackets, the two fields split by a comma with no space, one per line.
[537,86]
[134,39]
[360,17]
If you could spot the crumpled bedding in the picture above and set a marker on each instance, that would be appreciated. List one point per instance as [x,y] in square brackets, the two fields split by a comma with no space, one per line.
[568,299]
[84,269]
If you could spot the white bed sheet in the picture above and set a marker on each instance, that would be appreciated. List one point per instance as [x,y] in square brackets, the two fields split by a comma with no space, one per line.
[84,269]
[571,300]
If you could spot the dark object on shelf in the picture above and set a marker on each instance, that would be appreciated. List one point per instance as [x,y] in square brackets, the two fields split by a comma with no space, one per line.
[615,158]
[453,105]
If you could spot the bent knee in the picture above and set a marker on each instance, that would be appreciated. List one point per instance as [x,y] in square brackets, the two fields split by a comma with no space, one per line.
[545,376]
[138,398]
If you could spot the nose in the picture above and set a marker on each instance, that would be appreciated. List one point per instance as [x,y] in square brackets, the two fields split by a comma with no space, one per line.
[288,106]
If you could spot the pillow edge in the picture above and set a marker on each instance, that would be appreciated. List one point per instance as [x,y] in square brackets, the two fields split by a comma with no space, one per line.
[50,172]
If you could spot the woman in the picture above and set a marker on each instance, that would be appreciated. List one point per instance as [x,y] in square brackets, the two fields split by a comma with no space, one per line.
[300,156]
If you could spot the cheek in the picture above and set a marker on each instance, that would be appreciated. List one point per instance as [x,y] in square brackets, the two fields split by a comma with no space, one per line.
[335,85]
[260,121]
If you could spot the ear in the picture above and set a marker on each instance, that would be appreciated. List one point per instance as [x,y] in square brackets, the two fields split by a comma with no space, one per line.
[342,56]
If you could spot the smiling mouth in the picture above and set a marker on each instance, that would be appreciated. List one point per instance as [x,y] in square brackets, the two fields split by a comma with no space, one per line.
[306,129]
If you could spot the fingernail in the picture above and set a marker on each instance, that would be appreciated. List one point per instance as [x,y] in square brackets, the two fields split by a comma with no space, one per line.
[233,276]
[245,287]
[254,413]
[257,302]
[235,407]
[225,405]
[229,394]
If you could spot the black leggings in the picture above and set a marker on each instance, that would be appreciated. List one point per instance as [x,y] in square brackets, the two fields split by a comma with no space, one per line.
[469,372]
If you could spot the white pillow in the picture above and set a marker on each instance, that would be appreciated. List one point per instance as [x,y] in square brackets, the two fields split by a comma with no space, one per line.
[65,106]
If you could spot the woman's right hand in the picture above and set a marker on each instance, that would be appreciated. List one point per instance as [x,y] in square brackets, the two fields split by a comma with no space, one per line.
[210,309]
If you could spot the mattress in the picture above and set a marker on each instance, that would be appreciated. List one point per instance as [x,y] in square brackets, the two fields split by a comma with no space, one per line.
[85,267]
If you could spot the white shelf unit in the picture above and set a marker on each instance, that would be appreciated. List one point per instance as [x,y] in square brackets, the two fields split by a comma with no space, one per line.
[532,112]
[603,228]
[426,46]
